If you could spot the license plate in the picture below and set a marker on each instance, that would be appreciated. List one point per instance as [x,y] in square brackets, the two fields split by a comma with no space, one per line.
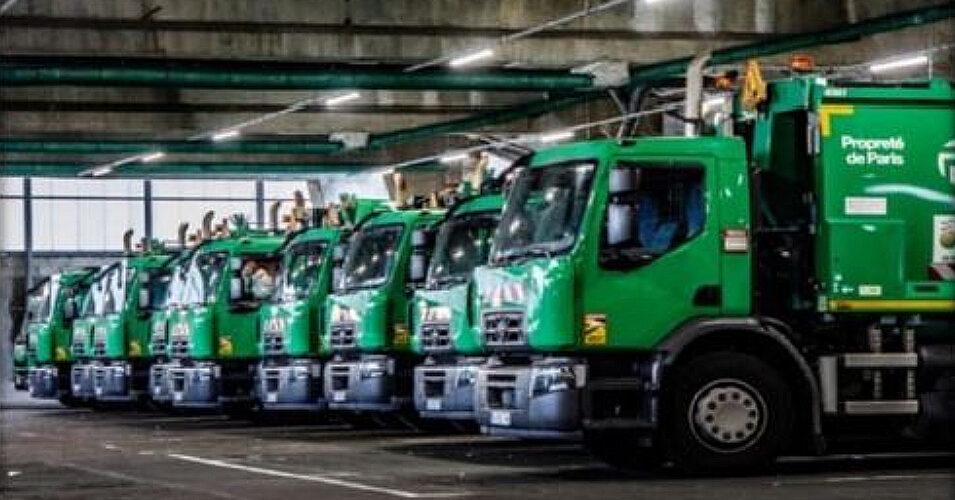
[157,390]
[98,391]
[339,396]
[271,397]
[502,418]
[177,396]
[433,404]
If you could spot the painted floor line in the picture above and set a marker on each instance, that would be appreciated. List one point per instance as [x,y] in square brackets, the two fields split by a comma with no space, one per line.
[862,479]
[147,482]
[319,479]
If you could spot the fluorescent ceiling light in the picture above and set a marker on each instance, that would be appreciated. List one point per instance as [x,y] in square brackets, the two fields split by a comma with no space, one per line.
[453,157]
[99,171]
[898,64]
[152,156]
[351,96]
[556,136]
[714,101]
[225,135]
[470,58]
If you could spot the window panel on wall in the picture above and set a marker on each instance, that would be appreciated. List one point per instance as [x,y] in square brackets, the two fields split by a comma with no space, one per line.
[114,188]
[284,190]
[11,225]
[11,186]
[167,215]
[203,189]
[90,225]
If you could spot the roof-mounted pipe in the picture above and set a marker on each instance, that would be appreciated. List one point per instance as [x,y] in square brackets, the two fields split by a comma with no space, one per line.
[207,224]
[128,241]
[693,107]
[274,216]
[181,234]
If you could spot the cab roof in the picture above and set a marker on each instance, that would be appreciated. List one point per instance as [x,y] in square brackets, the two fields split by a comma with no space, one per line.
[725,147]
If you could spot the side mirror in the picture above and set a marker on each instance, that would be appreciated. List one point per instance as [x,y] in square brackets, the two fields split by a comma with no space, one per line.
[235,288]
[235,263]
[143,298]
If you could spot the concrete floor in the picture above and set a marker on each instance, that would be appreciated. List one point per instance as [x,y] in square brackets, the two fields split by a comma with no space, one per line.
[54,452]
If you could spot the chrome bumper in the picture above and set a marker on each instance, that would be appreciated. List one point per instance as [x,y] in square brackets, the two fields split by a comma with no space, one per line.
[43,382]
[364,384]
[521,400]
[160,387]
[21,379]
[293,386]
[113,382]
[194,386]
[81,380]
[446,391]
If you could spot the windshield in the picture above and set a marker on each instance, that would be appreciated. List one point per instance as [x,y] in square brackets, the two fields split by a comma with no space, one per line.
[371,256]
[39,303]
[158,287]
[108,292]
[463,244]
[300,271]
[544,210]
[203,277]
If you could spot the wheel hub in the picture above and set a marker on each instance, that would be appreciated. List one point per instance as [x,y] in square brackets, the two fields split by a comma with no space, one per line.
[727,415]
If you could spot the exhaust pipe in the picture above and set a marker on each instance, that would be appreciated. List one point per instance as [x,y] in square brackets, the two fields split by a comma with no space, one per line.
[274,216]
[299,214]
[128,241]
[145,244]
[207,224]
[693,106]
[181,234]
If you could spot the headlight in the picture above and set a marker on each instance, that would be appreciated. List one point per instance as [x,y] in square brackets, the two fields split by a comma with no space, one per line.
[435,314]
[275,325]
[553,379]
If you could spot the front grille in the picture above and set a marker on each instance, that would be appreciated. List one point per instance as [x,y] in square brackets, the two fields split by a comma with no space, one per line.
[274,343]
[158,347]
[179,346]
[99,348]
[31,351]
[339,378]
[501,391]
[79,349]
[435,336]
[504,328]
[343,335]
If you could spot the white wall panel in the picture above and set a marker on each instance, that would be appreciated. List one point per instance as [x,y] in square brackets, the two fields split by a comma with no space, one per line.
[93,225]
[12,186]
[201,188]
[87,187]
[283,190]
[167,215]
[11,225]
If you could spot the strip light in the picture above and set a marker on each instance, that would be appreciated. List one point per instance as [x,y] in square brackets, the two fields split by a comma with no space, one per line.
[453,157]
[470,58]
[907,62]
[152,157]
[558,136]
[225,135]
[333,101]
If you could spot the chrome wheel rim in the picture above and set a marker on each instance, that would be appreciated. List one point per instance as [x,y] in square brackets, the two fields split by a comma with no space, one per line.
[727,415]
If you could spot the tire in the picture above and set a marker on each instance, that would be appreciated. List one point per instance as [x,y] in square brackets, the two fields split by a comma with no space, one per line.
[726,412]
[621,450]
[70,402]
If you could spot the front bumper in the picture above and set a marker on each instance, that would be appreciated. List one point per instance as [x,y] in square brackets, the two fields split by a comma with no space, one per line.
[293,386]
[113,382]
[368,383]
[160,386]
[81,380]
[195,386]
[21,379]
[446,391]
[43,382]
[513,401]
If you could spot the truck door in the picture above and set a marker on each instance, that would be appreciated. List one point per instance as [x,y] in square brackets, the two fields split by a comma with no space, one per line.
[657,252]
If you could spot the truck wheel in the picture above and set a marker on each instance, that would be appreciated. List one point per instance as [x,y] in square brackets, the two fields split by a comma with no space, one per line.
[70,402]
[727,411]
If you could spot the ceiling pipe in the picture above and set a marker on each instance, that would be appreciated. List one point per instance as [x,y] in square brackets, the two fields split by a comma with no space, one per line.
[181,170]
[319,145]
[109,72]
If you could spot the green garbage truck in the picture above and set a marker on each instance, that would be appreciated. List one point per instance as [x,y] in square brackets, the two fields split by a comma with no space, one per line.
[367,314]
[715,301]
[121,332]
[52,305]
[213,343]
[289,375]
[105,293]
[443,328]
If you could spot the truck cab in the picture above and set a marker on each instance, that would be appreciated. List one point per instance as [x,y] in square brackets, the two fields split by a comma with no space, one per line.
[711,299]
[367,315]
[213,340]
[444,329]
[51,308]
[167,296]
[289,376]
[121,348]
[88,339]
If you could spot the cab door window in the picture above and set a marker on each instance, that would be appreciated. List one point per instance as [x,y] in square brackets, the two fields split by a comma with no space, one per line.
[652,209]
